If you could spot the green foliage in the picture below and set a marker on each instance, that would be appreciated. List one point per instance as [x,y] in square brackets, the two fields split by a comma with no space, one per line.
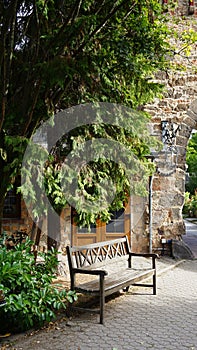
[191,157]
[191,161]
[190,205]
[119,163]
[183,43]
[58,54]
[94,179]
[189,38]
[31,298]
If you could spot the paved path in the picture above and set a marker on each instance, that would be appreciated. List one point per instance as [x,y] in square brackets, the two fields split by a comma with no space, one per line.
[135,321]
[191,235]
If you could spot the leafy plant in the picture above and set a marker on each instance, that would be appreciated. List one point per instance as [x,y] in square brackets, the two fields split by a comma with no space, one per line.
[190,205]
[31,298]
[191,160]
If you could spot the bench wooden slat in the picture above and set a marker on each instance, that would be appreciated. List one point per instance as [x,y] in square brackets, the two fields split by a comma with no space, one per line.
[97,245]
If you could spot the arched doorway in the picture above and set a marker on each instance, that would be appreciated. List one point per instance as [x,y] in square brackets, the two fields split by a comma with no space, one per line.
[169,189]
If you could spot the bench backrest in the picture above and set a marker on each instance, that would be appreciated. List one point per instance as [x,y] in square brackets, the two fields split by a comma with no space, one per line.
[94,255]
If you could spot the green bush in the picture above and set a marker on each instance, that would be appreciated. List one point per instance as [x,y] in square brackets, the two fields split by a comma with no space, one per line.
[191,185]
[190,205]
[31,298]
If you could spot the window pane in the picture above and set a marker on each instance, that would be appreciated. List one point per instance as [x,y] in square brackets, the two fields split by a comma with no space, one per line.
[116,224]
[12,205]
[85,229]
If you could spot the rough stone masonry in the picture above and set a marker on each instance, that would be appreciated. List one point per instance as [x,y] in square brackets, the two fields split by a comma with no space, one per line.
[174,116]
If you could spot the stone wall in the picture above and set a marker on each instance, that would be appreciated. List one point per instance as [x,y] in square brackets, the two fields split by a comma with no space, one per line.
[186,7]
[178,108]
[180,7]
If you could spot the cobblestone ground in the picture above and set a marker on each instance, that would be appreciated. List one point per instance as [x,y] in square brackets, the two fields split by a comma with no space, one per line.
[136,320]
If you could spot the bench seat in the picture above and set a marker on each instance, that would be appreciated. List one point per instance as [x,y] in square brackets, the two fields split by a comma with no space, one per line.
[115,282]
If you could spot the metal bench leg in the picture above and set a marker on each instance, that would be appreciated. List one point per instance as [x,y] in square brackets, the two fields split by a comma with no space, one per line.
[102,299]
[154,285]
[154,276]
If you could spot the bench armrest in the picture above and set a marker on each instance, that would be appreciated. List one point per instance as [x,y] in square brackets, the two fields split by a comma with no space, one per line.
[145,255]
[90,272]
[100,273]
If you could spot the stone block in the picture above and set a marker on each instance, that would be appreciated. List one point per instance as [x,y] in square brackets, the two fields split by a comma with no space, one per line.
[180,250]
[193,106]
[179,199]
[180,185]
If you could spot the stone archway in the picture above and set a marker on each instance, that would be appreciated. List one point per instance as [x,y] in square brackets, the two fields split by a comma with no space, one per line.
[177,106]
[169,188]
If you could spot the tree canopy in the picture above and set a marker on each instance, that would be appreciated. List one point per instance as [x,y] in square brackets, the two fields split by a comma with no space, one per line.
[58,54]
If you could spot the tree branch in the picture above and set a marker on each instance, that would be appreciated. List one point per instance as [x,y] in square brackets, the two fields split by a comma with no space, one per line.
[103,23]
[70,18]
[33,105]
[76,11]
[59,92]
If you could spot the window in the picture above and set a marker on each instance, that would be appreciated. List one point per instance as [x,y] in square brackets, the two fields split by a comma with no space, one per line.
[12,205]
[116,224]
[85,229]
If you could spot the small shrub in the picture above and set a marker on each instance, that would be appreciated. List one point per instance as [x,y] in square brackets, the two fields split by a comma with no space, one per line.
[190,205]
[31,298]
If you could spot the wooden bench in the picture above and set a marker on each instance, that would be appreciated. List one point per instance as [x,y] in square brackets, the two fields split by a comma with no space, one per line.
[111,264]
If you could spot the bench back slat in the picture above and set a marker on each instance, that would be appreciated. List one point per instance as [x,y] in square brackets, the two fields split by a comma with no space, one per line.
[97,253]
